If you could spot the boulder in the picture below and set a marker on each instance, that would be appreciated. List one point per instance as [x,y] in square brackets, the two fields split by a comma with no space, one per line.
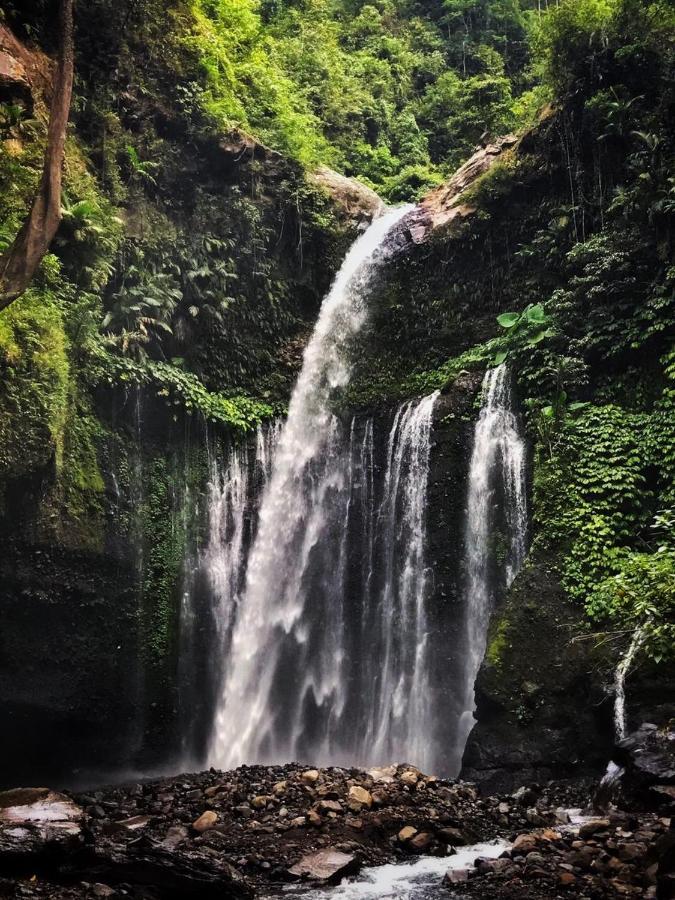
[452,836]
[383,774]
[356,204]
[588,829]
[329,806]
[32,819]
[406,833]
[648,757]
[37,805]
[456,876]
[358,798]
[310,776]
[524,844]
[314,818]
[421,842]
[409,777]
[328,866]
[207,820]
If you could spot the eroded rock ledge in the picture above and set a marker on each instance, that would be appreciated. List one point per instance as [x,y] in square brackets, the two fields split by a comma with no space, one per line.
[355,203]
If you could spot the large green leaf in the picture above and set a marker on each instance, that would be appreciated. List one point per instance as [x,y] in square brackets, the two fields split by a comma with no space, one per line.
[508,320]
[536,314]
[500,357]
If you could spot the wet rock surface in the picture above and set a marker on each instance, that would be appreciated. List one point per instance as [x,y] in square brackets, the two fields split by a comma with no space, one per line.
[648,758]
[624,855]
[248,832]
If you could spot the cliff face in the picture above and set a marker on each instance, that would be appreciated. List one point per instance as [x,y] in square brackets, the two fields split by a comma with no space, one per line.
[102,473]
[544,710]
[104,430]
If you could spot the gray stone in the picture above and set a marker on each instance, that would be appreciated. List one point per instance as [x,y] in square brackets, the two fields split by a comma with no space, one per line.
[328,866]
[456,876]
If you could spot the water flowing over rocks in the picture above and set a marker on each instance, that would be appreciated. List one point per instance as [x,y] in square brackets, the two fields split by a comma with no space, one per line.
[250,831]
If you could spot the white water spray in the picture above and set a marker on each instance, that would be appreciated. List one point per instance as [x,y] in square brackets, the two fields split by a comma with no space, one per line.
[497,465]
[309,477]
[622,670]
[230,500]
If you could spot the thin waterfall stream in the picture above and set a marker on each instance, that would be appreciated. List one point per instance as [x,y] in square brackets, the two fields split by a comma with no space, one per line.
[496,484]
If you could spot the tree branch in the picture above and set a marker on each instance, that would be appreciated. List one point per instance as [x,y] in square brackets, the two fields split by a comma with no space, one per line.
[20,262]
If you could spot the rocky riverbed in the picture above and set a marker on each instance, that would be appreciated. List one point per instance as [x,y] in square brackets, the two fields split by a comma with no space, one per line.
[255,830]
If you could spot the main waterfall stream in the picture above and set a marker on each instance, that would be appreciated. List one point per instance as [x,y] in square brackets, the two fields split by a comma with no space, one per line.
[300,681]
[324,646]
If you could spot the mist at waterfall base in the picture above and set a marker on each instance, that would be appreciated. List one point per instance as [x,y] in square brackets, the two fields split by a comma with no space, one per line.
[323,645]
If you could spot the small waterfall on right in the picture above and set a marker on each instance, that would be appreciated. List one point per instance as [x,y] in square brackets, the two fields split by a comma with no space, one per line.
[497,484]
[610,782]
[622,670]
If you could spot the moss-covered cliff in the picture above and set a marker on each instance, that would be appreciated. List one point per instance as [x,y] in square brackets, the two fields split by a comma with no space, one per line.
[186,273]
[176,301]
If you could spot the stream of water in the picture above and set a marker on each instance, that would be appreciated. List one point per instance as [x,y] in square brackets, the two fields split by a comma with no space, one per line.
[496,485]
[417,880]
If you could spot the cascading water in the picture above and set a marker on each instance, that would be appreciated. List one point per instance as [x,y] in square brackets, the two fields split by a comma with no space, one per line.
[232,490]
[327,659]
[611,780]
[399,724]
[497,471]
[352,679]
[622,670]
[214,578]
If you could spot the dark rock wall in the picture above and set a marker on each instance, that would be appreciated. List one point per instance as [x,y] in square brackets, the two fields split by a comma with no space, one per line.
[454,418]
[90,629]
[71,686]
[542,710]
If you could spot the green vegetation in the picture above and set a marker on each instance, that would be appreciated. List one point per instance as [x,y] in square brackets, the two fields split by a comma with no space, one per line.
[572,241]
[641,594]
[396,92]
[193,251]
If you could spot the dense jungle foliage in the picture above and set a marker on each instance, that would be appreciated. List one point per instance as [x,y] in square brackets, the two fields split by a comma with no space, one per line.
[193,250]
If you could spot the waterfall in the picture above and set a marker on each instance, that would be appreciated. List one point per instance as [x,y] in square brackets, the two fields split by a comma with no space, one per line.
[622,670]
[350,681]
[214,579]
[328,656]
[401,721]
[610,783]
[496,478]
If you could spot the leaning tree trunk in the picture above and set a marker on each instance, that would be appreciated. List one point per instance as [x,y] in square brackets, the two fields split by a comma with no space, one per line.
[20,262]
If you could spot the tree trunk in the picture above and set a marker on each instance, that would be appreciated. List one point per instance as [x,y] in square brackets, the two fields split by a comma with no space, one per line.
[20,262]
